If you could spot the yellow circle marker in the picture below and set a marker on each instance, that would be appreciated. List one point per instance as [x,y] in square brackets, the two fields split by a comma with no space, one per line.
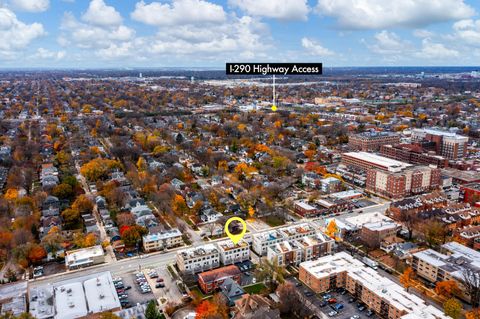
[236,238]
[274,107]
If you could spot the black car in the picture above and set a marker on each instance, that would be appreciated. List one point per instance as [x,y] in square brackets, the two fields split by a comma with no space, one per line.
[350,300]
[322,304]
[128,287]
[370,313]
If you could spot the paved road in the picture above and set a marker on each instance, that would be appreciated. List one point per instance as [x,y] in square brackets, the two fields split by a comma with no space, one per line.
[158,259]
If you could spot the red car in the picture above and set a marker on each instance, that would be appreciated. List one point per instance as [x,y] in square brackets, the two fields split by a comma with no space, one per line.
[332,300]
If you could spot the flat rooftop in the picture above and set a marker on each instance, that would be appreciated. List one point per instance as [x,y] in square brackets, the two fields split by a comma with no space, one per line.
[199,251]
[388,290]
[74,298]
[378,160]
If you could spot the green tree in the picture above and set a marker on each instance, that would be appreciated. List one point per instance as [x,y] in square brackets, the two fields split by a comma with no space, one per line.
[152,312]
[271,273]
[453,308]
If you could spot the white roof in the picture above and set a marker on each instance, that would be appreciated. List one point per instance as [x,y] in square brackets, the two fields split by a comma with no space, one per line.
[390,291]
[101,294]
[304,205]
[378,226]
[83,253]
[70,301]
[346,194]
[378,160]
[361,219]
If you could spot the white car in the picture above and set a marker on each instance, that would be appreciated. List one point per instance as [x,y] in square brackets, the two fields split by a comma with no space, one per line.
[254,280]
[332,313]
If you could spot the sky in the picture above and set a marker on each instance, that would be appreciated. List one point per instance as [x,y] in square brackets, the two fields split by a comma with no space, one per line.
[208,33]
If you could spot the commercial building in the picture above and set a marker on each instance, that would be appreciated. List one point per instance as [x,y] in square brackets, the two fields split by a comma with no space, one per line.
[372,234]
[294,252]
[231,253]
[74,298]
[162,240]
[304,209]
[198,259]
[210,280]
[385,297]
[262,241]
[392,178]
[330,185]
[84,257]
[372,141]
[414,154]
[447,144]
[450,264]
[471,192]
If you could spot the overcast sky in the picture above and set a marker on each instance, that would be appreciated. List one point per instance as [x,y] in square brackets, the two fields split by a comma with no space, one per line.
[130,33]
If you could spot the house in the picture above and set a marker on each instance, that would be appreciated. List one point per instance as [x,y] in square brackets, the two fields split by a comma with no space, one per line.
[255,307]
[177,184]
[232,291]
[211,280]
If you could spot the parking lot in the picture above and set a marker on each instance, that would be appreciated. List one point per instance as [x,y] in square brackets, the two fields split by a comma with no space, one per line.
[327,305]
[134,293]
[164,287]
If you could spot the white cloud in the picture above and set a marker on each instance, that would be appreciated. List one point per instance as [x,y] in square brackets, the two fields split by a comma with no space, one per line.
[379,14]
[422,33]
[389,43]
[436,51]
[30,5]
[45,54]
[89,36]
[283,10]
[315,48]
[245,37]
[15,34]
[100,14]
[467,31]
[178,12]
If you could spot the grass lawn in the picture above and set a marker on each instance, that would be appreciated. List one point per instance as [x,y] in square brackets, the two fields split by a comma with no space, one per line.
[274,221]
[255,288]
[198,291]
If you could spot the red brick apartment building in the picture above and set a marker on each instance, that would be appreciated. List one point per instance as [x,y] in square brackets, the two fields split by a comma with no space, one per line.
[372,141]
[412,153]
[212,279]
[391,178]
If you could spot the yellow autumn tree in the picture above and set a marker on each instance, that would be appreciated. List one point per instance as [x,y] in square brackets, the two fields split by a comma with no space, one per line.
[332,229]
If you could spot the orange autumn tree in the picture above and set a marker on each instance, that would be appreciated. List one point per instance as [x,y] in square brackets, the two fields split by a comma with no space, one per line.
[407,279]
[179,206]
[473,314]
[447,288]
[332,229]
[212,309]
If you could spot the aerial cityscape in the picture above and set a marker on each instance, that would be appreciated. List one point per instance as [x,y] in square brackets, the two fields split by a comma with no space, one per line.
[195,159]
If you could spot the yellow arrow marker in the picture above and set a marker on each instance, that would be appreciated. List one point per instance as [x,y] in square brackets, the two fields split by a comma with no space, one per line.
[236,237]
[274,107]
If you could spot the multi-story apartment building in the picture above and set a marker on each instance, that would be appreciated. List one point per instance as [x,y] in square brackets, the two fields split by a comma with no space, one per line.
[391,178]
[294,252]
[414,154]
[210,280]
[262,241]
[372,234]
[231,253]
[467,235]
[450,264]
[372,141]
[84,257]
[447,144]
[162,240]
[385,297]
[198,259]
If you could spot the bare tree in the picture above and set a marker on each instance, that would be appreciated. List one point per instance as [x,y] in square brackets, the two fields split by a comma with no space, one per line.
[471,281]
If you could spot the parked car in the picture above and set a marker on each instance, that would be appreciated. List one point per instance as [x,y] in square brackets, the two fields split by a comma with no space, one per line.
[361,308]
[370,313]
[332,313]
[160,285]
[159,280]
[332,300]
[309,294]
[355,317]
[128,287]
[327,296]
[322,304]
[350,300]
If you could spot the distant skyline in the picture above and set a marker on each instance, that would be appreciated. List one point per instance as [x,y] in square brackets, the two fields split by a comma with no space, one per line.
[200,33]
